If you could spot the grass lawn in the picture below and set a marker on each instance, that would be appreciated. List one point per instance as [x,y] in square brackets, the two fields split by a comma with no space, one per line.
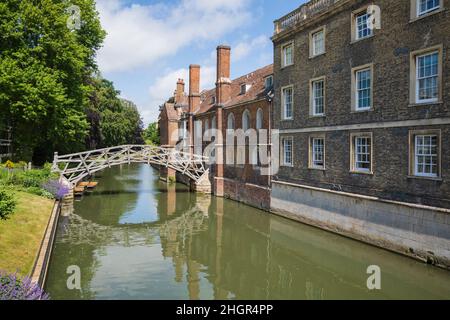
[21,234]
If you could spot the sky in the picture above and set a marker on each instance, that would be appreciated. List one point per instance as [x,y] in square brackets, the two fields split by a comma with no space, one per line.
[151,43]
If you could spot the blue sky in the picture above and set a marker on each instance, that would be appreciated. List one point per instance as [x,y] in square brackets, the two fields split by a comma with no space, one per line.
[151,43]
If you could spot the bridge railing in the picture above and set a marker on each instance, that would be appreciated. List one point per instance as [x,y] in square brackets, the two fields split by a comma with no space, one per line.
[74,167]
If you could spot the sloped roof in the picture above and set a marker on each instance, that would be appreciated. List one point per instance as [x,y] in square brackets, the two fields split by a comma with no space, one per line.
[256,90]
[172,113]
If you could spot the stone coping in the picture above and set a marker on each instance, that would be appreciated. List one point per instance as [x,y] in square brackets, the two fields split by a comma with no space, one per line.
[40,267]
[360,196]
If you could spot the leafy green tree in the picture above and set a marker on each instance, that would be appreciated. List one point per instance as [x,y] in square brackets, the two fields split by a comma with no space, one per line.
[45,71]
[151,134]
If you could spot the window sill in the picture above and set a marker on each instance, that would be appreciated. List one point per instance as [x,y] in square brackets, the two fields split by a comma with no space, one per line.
[286,66]
[425,178]
[290,119]
[287,165]
[367,173]
[362,110]
[426,15]
[362,39]
[317,55]
[317,168]
[314,116]
[422,104]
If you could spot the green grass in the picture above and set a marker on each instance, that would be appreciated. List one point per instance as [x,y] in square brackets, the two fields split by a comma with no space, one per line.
[21,234]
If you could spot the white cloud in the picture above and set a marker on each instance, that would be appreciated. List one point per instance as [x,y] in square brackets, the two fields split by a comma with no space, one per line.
[247,47]
[140,35]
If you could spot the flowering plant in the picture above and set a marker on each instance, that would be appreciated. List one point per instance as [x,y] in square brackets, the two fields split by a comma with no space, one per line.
[56,188]
[13,287]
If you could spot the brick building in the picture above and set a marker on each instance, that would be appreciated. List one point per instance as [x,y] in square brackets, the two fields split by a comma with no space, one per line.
[243,103]
[364,121]
[366,111]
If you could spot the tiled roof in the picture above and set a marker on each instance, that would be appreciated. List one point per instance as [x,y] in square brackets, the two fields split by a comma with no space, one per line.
[256,89]
[172,113]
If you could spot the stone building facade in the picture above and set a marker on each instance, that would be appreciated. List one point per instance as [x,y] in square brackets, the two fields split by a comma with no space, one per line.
[367,146]
[243,103]
[364,118]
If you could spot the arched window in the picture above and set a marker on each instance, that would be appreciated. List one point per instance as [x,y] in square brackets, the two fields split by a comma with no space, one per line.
[230,125]
[259,119]
[213,124]
[246,120]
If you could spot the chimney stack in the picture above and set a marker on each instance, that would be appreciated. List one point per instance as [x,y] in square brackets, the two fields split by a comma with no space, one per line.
[223,84]
[194,87]
[179,93]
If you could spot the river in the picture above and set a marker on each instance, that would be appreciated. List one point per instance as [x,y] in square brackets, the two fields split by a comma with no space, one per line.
[136,237]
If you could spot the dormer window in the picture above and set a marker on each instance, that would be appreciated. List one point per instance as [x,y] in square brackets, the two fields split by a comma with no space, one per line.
[268,82]
[213,99]
[243,88]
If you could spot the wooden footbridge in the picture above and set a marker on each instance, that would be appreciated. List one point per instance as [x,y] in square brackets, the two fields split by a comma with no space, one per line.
[73,168]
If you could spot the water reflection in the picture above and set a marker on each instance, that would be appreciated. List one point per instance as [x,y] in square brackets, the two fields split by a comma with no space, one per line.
[137,238]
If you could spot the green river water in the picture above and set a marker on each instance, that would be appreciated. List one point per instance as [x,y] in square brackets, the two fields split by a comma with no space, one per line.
[135,237]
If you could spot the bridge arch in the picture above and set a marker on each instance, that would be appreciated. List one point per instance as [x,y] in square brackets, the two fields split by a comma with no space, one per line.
[73,168]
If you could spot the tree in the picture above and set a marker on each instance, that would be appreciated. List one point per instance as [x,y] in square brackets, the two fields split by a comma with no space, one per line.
[151,134]
[45,71]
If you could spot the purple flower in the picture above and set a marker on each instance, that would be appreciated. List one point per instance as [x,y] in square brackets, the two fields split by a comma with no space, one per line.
[56,188]
[14,288]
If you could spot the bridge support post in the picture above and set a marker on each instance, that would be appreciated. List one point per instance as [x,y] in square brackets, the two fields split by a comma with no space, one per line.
[166,173]
[203,185]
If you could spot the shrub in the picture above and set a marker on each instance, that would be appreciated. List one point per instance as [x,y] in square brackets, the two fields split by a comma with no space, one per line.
[15,288]
[56,188]
[7,204]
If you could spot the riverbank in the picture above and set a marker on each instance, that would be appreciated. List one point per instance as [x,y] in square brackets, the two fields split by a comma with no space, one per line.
[21,234]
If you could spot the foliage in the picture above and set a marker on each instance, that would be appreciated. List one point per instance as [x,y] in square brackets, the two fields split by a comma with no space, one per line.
[14,288]
[31,181]
[151,134]
[9,165]
[7,204]
[56,189]
[44,72]
[113,121]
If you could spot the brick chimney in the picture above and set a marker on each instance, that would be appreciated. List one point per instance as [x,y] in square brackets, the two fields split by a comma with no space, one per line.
[223,84]
[194,87]
[179,92]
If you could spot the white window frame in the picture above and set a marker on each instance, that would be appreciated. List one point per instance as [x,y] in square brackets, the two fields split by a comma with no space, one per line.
[283,100]
[358,90]
[284,54]
[354,153]
[431,155]
[314,47]
[283,144]
[356,16]
[418,100]
[421,13]
[312,152]
[314,97]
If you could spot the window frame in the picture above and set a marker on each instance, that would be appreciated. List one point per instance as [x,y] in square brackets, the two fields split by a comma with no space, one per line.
[353,154]
[283,162]
[283,105]
[311,164]
[354,25]
[312,47]
[271,81]
[283,54]
[354,90]
[312,100]
[420,14]
[415,10]
[413,134]
[414,87]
